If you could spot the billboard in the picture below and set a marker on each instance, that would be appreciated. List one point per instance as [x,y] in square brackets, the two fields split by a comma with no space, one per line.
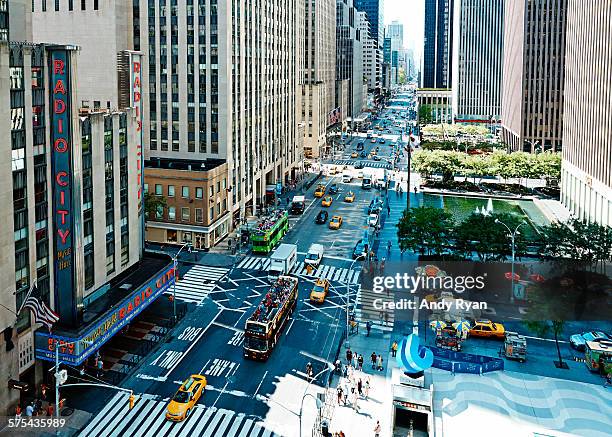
[62,183]
[74,350]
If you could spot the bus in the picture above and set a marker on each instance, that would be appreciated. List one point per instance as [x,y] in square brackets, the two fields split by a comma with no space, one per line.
[269,231]
[264,327]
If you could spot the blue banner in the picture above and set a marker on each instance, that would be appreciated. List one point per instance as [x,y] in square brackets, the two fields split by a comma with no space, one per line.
[460,362]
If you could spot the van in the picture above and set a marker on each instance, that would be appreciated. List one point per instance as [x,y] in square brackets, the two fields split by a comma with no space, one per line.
[347,177]
[298,205]
[314,255]
[366,182]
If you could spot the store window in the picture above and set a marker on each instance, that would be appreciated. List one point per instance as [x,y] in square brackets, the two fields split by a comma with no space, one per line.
[170,190]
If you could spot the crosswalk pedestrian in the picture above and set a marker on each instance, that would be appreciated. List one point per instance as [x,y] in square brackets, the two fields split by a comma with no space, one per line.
[371,164]
[366,311]
[148,418]
[331,273]
[199,280]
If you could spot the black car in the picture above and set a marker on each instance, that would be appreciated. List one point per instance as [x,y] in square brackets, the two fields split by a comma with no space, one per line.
[363,154]
[322,217]
[333,189]
[359,166]
[376,158]
[359,146]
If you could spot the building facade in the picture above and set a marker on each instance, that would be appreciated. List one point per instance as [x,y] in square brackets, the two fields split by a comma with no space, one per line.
[371,53]
[223,81]
[71,194]
[438,103]
[318,91]
[197,207]
[374,10]
[586,173]
[477,60]
[533,74]
[349,56]
[101,29]
[436,71]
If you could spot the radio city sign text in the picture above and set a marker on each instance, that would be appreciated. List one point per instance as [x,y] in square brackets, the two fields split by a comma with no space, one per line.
[62,167]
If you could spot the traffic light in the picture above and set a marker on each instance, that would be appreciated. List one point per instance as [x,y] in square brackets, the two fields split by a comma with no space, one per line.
[132,399]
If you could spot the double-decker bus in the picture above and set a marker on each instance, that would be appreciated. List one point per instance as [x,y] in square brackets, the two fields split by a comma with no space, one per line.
[269,231]
[264,327]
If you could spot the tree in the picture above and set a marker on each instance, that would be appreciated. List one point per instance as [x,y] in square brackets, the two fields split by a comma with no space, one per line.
[425,230]
[480,234]
[542,328]
[425,114]
[153,203]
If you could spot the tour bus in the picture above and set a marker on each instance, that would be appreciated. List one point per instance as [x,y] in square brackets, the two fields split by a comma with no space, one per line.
[264,327]
[269,231]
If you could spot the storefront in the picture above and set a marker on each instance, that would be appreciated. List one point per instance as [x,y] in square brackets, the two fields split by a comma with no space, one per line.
[201,237]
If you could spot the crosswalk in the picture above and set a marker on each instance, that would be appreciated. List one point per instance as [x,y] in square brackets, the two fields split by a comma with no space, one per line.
[331,273]
[371,164]
[365,310]
[199,280]
[148,419]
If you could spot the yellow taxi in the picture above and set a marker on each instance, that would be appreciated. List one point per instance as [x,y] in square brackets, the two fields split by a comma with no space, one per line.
[354,155]
[327,201]
[350,197]
[185,398]
[319,291]
[320,191]
[487,329]
[373,152]
[335,222]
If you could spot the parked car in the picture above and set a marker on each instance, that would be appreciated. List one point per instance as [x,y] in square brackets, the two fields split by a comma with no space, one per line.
[578,341]
[322,217]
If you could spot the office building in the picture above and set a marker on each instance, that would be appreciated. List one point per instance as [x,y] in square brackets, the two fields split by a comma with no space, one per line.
[72,194]
[349,58]
[374,10]
[533,74]
[318,106]
[586,172]
[477,60]
[395,31]
[436,71]
[101,30]
[228,89]
[437,103]
[371,53]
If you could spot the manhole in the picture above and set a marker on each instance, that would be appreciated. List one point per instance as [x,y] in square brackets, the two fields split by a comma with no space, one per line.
[67,412]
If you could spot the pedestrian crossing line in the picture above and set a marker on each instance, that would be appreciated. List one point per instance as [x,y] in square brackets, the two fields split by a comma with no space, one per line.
[197,283]
[365,310]
[254,263]
[148,419]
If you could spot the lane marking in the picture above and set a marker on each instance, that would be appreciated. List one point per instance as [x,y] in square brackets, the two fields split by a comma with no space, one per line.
[260,382]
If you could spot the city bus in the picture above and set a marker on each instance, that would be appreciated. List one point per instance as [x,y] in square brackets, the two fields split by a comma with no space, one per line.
[269,231]
[264,327]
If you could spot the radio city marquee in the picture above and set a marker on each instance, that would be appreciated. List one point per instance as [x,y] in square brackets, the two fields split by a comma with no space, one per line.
[136,102]
[61,168]
[106,327]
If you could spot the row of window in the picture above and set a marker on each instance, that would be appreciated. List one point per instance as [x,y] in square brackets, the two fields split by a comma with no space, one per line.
[186,212]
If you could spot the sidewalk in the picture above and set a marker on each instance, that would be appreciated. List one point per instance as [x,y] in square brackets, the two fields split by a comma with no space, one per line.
[378,406]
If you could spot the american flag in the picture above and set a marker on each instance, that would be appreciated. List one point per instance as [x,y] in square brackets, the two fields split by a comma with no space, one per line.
[42,313]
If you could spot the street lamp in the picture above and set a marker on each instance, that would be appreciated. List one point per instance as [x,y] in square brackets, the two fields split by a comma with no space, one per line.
[512,235]
[348,297]
[175,267]
[57,371]
[328,368]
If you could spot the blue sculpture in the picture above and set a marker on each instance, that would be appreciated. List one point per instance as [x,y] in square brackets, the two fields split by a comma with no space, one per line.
[413,357]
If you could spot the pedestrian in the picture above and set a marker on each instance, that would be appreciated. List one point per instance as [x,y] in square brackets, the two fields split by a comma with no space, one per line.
[366,389]
[394,348]
[354,402]
[355,360]
[416,190]
[368,328]
[360,387]
[349,355]
[388,209]
[100,368]
[382,264]
[389,247]
[377,429]
[29,411]
[360,362]
[18,411]
[379,363]
[340,392]
[373,359]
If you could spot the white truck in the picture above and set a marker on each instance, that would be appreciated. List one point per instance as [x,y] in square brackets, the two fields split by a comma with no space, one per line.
[347,176]
[366,182]
[314,255]
[282,261]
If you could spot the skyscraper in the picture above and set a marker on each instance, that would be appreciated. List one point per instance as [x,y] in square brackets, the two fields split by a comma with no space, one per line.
[395,31]
[533,74]
[586,174]
[438,48]
[477,60]
[375,14]
[349,56]
[318,91]
[371,53]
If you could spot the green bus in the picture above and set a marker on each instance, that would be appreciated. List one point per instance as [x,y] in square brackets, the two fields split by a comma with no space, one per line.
[269,231]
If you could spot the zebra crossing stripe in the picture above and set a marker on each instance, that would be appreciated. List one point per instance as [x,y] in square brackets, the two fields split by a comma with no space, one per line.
[246,428]
[197,283]
[226,421]
[211,427]
[200,415]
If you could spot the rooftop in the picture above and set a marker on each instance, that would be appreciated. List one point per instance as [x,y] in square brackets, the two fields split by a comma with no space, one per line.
[184,164]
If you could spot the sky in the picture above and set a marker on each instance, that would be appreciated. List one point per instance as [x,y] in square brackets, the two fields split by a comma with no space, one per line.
[411,14]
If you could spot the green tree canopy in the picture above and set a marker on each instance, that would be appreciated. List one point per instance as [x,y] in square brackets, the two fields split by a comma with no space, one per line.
[425,230]
[153,203]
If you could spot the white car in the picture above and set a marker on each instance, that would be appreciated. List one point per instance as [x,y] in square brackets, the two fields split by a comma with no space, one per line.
[373,220]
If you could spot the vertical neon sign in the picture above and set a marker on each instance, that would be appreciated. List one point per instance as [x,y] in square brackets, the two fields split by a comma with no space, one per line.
[136,102]
[61,168]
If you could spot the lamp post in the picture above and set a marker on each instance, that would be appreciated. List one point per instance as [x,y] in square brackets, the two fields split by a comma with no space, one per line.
[175,267]
[512,235]
[348,296]
[57,371]
[328,368]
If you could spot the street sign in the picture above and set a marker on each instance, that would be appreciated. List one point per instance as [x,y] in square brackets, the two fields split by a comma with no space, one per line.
[62,376]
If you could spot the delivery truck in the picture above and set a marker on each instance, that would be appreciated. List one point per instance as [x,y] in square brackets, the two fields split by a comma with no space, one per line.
[282,261]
